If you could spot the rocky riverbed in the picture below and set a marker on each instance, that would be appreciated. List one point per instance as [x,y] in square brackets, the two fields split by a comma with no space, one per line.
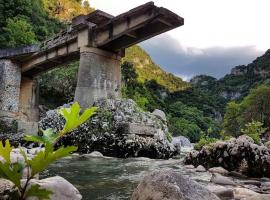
[115,178]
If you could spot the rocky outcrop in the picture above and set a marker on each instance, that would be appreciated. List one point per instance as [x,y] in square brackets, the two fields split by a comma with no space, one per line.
[169,185]
[240,154]
[119,129]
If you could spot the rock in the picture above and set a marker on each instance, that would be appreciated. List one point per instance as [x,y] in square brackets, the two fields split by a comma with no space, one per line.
[240,193]
[200,168]
[219,170]
[259,197]
[160,114]
[221,180]
[169,185]
[119,129]
[189,167]
[222,192]
[8,191]
[240,154]
[94,154]
[61,188]
[265,186]
[183,141]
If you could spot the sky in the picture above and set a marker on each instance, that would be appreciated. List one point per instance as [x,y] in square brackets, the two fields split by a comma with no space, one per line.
[217,35]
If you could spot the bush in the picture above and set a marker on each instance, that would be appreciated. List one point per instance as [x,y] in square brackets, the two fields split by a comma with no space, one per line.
[254,130]
[204,141]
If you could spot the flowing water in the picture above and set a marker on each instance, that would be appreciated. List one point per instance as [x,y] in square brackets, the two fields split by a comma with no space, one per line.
[112,178]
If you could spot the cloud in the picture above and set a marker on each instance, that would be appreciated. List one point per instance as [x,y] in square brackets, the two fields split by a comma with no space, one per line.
[187,62]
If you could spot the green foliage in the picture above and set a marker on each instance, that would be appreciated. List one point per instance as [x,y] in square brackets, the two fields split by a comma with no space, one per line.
[27,19]
[204,141]
[254,107]
[73,117]
[14,171]
[36,191]
[254,129]
[19,32]
[232,120]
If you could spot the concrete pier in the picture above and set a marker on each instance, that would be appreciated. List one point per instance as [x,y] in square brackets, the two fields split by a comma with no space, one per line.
[99,76]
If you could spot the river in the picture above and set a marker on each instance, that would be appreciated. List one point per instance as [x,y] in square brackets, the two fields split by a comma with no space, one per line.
[113,178]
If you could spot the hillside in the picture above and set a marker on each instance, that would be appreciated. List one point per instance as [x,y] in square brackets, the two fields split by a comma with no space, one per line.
[148,70]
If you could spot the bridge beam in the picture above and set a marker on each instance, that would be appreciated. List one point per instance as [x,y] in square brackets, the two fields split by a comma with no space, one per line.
[99,76]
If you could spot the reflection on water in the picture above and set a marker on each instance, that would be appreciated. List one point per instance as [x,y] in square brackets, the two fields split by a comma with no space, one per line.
[112,178]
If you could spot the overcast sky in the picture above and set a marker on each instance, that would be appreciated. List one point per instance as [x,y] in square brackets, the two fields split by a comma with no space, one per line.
[217,35]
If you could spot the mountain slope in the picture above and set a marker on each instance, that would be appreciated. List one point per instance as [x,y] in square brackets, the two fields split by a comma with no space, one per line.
[237,84]
[148,70]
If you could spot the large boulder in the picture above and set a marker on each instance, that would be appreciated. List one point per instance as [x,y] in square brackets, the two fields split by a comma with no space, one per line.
[61,188]
[119,129]
[240,154]
[169,185]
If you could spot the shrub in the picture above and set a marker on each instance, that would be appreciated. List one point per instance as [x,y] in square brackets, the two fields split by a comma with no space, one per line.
[14,171]
[204,141]
[254,130]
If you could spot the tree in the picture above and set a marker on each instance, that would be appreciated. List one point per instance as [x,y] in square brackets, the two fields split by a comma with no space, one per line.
[19,32]
[65,10]
[232,120]
[256,105]
[186,128]
[30,11]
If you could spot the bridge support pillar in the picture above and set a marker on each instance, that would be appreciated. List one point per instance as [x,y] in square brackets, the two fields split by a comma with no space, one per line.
[10,80]
[28,106]
[99,76]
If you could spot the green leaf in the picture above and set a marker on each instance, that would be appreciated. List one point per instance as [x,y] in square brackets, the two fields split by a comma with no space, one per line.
[12,172]
[48,138]
[37,191]
[73,117]
[5,150]
[42,160]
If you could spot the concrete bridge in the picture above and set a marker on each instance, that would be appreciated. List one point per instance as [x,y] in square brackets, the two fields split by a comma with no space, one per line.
[98,40]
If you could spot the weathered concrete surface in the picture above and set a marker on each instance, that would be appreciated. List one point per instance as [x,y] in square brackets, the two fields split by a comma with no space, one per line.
[10,80]
[29,99]
[99,76]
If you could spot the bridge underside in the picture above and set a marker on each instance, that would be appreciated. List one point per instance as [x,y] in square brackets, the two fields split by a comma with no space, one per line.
[98,40]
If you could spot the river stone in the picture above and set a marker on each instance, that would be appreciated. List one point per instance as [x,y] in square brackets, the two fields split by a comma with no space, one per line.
[182,141]
[219,170]
[8,191]
[259,197]
[160,114]
[240,193]
[222,192]
[170,185]
[200,168]
[221,180]
[61,188]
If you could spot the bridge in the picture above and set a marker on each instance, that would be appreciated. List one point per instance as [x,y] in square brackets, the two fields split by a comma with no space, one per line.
[98,40]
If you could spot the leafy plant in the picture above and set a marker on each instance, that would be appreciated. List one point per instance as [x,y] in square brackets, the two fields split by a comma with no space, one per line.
[204,141]
[14,171]
[254,129]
